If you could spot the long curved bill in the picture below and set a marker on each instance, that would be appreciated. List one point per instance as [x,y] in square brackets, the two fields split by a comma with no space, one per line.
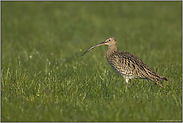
[103,43]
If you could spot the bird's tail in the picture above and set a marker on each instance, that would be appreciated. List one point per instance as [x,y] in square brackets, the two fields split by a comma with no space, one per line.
[157,80]
[164,78]
[159,83]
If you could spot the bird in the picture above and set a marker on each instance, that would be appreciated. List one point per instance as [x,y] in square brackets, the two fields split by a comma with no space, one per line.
[128,65]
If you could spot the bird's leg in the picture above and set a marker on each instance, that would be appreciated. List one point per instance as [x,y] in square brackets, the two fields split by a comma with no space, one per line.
[127,79]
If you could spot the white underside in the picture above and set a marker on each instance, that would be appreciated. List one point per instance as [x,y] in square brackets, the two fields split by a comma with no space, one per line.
[125,76]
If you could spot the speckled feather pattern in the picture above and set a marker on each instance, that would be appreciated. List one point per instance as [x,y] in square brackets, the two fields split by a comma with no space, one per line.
[129,66]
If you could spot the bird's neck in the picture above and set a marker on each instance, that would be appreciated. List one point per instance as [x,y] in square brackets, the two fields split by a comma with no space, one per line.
[110,51]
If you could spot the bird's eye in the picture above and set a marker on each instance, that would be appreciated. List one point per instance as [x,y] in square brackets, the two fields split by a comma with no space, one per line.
[109,39]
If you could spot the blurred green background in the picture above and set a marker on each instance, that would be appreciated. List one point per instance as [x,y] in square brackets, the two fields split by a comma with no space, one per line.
[45,78]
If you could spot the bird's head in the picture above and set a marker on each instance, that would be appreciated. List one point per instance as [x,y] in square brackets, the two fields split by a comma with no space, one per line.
[109,41]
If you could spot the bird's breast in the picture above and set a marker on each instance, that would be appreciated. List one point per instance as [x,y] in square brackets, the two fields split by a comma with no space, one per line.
[120,65]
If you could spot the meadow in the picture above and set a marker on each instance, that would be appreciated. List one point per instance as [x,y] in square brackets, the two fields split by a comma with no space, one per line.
[44,76]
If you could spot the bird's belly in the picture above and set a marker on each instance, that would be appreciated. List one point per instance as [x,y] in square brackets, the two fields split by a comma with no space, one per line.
[125,73]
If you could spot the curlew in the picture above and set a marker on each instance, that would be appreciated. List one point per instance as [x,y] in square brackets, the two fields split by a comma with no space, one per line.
[126,64]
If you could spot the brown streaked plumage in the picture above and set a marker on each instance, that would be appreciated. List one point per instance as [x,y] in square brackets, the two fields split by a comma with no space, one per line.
[126,64]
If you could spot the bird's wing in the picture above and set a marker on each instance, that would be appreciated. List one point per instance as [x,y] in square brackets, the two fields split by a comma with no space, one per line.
[132,65]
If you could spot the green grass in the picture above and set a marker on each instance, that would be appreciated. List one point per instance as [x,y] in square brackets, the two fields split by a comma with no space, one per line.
[45,78]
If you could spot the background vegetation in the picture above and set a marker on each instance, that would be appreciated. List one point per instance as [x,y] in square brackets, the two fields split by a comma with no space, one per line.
[45,78]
